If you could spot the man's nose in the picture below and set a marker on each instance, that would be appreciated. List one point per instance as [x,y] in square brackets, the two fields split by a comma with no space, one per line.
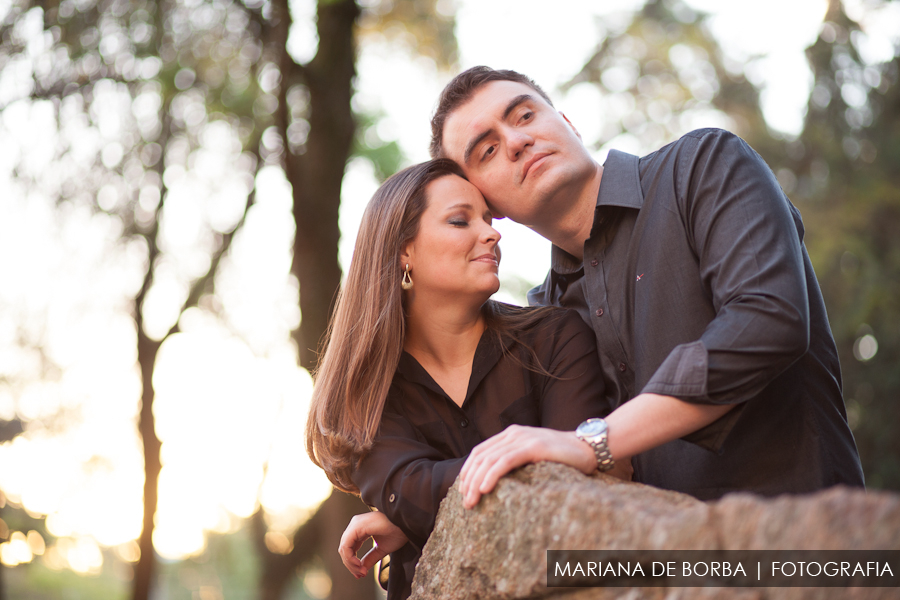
[516,142]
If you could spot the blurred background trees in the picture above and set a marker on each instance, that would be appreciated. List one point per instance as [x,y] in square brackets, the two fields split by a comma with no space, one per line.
[187,158]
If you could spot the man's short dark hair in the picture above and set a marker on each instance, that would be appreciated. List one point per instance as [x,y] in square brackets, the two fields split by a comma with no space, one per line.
[460,89]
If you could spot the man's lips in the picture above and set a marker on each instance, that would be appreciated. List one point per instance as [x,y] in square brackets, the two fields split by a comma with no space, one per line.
[531,162]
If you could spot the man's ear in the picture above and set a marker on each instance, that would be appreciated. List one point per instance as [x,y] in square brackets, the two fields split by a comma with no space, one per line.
[563,115]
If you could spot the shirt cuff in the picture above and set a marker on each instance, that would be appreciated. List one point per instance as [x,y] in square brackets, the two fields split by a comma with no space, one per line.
[683,375]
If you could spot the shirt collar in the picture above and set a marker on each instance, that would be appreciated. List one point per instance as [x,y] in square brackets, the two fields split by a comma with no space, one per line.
[619,186]
[487,354]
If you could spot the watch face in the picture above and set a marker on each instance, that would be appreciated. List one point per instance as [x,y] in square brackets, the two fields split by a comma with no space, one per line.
[592,427]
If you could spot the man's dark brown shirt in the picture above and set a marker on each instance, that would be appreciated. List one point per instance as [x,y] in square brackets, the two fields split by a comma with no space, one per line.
[697,285]
[425,437]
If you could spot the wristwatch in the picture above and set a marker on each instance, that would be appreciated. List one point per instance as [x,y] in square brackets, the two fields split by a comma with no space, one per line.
[595,432]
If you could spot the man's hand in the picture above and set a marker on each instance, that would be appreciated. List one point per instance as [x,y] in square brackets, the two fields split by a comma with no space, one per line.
[388,538]
[645,422]
[516,446]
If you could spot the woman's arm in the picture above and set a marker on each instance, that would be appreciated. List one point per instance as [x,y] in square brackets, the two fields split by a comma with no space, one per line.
[388,538]
[405,478]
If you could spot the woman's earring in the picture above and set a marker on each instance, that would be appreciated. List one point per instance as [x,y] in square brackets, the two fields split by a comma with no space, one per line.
[406,283]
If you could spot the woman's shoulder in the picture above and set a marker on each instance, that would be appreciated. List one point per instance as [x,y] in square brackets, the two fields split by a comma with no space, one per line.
[539,317]
[541,326]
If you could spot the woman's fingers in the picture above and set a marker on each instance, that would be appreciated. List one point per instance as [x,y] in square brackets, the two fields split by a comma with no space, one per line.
[358,531]
[372,557]
[388,538]
[348,548]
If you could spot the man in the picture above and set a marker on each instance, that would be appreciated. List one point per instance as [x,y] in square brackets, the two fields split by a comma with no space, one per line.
[689,265]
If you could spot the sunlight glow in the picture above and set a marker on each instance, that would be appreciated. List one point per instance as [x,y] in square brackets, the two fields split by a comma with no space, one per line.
[231,402]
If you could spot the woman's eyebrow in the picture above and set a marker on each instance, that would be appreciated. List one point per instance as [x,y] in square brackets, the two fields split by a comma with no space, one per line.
[459,205]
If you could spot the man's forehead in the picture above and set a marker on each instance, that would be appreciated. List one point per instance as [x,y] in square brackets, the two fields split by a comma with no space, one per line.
[473,116]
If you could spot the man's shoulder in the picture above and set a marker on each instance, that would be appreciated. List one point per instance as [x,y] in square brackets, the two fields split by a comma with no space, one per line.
[690,142]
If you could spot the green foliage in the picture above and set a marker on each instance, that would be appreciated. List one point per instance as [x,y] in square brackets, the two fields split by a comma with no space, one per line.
[35,581]
[664,74]
[844,164]
[422,27]
[386,157]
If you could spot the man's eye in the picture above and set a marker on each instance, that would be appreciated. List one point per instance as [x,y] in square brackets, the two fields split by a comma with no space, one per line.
[527,116]
[489,151]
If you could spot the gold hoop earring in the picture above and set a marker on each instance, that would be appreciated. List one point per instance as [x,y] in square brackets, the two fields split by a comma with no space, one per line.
[406,282]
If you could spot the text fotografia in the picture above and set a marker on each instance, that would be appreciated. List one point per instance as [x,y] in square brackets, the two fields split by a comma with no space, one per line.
[723,568]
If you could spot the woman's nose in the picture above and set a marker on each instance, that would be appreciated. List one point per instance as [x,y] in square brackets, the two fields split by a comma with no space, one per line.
[489,234]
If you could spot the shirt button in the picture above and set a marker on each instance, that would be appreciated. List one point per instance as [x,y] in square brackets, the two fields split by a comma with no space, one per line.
[595,262]
[599,312]
[464,423]
[392,498]
[622,367]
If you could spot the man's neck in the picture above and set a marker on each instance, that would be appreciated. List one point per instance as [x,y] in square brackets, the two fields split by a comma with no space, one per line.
[570,229]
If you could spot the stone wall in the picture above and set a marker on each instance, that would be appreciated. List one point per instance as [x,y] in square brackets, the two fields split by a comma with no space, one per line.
[498,550]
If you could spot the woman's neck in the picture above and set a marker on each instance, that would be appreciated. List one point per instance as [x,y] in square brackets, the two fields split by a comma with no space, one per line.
[442,335]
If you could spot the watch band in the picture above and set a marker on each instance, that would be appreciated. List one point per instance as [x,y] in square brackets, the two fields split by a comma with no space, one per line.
[598,442]
[605,460]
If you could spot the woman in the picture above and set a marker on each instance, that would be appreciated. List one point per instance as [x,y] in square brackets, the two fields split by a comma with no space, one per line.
[421,367]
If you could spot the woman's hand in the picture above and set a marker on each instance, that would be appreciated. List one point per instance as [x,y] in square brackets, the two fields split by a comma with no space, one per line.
[516,446]
[388,538]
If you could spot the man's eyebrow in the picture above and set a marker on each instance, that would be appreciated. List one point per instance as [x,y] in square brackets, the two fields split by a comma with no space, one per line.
[516,102]
[468,153]
[509,108]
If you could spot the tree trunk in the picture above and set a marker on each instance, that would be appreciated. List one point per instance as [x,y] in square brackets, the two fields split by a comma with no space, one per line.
[316,175]
[144,571]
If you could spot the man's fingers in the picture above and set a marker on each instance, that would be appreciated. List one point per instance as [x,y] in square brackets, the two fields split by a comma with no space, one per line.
[499,458]
[476,457]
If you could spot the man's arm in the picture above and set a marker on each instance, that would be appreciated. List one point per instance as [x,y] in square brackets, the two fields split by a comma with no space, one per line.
[646,421]
[747,239]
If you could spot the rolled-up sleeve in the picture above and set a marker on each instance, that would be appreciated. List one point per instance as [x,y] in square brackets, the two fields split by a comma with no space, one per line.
[405,478]
[747,238]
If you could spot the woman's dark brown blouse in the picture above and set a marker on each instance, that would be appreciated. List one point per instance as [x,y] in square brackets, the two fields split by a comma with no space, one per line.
[425,437]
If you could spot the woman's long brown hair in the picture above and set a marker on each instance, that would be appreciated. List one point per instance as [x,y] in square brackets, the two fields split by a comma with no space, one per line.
[365,338]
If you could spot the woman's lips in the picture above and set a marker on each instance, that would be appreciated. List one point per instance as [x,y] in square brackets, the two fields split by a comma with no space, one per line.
[489,258]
